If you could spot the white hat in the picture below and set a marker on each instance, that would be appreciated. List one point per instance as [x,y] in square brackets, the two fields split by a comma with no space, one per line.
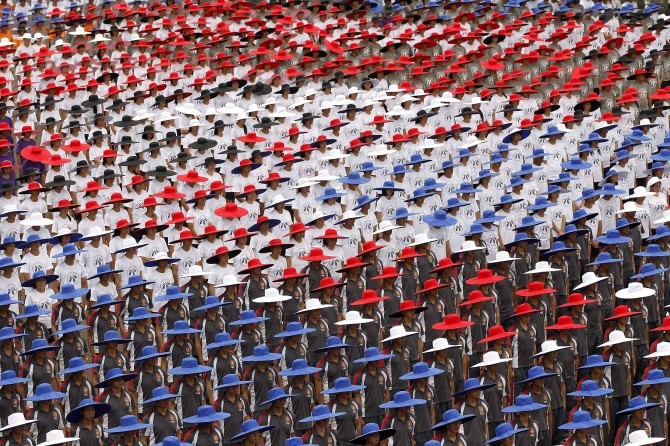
[662,349]
[663,220]
[398,111]
[629,206]
[281,112]
[300,100]
[304,182]
[385,226]
[161,255]
[143,115]
[6,42]
[651,182]
[638,192]
[36,219]
[428,144]
[349,215]
[80,31]
[353,90]
[472,141]
[469,245]
[11,207]
[128,243]
[448,98]
[195,270]
[492,358]
[253,108]
[313,304]
[434,103]
[407,98]
[228,280]
[381,150]
[97,39]
[589,278]
[188,109]
[57,436]
[334,154]
[164,116]
[393,88]
[641,438]
[97,231]
[616,337]
[503,256]
[353,318]
[27,36]
[210,111]
[279,198]
[192,123]
[542,267]
[230,109]
[548,347]
[441,344]
[272,295]
[476,100]
[419,92]
[421,238]
[325,105]
[398,332]
[635,290]
[325,175]
[15,420]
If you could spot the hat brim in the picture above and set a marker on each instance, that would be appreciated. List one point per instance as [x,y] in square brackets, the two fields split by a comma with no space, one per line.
[383,435]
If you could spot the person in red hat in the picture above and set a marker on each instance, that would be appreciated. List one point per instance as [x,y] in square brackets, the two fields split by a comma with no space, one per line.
[523,343]
[354,283]
[374,267]
[315,270]
[407,267]
[575,306]
[429,297]
[409,319]
[187,254]
[391,290]
[481,320]
[450,293]
[454,328]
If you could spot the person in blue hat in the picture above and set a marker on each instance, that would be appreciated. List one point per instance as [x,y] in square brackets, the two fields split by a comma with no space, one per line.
[372,435]
[505,435]
[69,265]
[46,411]
[262,376]
[142,332]
[421,388]
[343,401]
[470,402]
[540,394]
[582,426]
[137,295]
[127,432]
[101,317]
[203,430]
[278,414]
[652,388]
[106,283]
[162,418]
[334,364]
[247,330]
[38,366]
[11,400]
[376,382]
[150,374]
[450,429]
[69,306]
[211,323]
[36,259]
[37,293]
[82,419]
[251,434]
[592,399]
[231,399]
[111,354]
[509,210]
[522,410]
[180,343]
[75,382]
[116,395]
[223,360]
[175,309]
[401,418]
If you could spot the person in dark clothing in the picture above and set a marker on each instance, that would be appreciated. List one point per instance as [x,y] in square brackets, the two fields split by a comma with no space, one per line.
[204,432]
[163,420]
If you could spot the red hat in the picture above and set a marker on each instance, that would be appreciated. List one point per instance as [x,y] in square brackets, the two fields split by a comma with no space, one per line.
[214,258]
[476,297]
[274,243]
[254,263]
[136,179]
[290,273]
[231,210]
[523,309]
[408,253]
[192,177]
[452,322]
[92,186]
[352,262]
[624,311]
[316,255]
[370,247]
[178,217]
[170,192]
[212,230]
[484,277]
[241,232]
[408,305]
[64,204]
[576,299]
[565,323]
[90,206]
[369,297]
[35,153]
[431,284]
[123,223]
[251,137]
[184,235]
[388,272]
[496,332]
[76,146]
[328,282]
[535,289]
[330,234]
[665,326]
[297,227]
[444,264]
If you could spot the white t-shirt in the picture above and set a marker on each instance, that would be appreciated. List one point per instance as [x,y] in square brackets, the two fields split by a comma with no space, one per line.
[43,301]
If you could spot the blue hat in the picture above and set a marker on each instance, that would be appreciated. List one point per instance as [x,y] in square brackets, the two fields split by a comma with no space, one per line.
[604,258]
[537,372]
[136,281]
[129,423]
[525,133]
[464,153]
[648,270]
[453,416]
[609,190]
[507,199]
[521,237]
[540,203]
[591,388]
[402,399]
[154,262]
[663,155]
[612,237]
[174,441]
[421,370]
[160,394]
[77,364]
[248,317]
[262,354]
[571,229]
[104,299]
[576,164]
[660,232]
[372,429]
[505,430]
[553,130]
[389,185]
[6,300]
[402,212]
[8,262]
[372,354]
[363,200]
[248,427]
[113,374]
[539,153]
[212,302]
[7,333]
[331,343]
[276,393]
[563,177]
[299,367]
[32,310]
[526,169]
[624,223]
[595,361]
[342,384]
[593,137]
[6,241]
[400,169]
[472,384]
[580,214]
[223,340]
[39,275]
[557,247]
[353,178]
[489,216]
[516,181]
[588,193]
[638,136]
[231,380]
[100,409]
[148,352]
[476,228]
[419,193]
[466,188]
[272,222]
[415,159]
[524,403]
[32,238]
[104,269]
[40,344]
[321,412]
[113,336]
[439,219]
[554,189]
[70,326]
[68,250]
[654,376]
[430,184]
[206,414]
[68,291]
[181,327]
[653,250]
[446,164]
[172,292]
[454,202]
[141,313]
[496,158]
[330,192]
[296,441]
[368,166]
[581,419]
[189,366]
[44,392]
[8,378]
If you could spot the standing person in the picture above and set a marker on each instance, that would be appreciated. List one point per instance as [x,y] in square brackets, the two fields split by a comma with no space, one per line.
[401,418]
[372,435]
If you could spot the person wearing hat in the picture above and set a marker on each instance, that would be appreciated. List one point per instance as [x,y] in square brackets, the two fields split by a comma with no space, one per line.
[262,376]
[102,319]
[523,409]
[633,418]
[174,310]
[16,431]
[401,417]
[653,392]
[470,402]
[205,428]
[583,427]
[233,401]
[524,342]
[127,432]
[450,429]
[540,394]
[278,415]
[450,293]
[46,411]
[592,398]
[376,381]
[420,388]
[636,294]
[39,367]
[36,259]
[136,297]
[372,435]
[497,395]
[621,372]
[162,420]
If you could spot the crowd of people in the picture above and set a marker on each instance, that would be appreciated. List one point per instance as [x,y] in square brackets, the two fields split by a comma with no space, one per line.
[369,222]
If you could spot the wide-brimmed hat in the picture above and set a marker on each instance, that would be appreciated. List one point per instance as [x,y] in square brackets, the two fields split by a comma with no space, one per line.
[112,336]
[523,403]
[642,438]
[189,366]
[15,420]
[372,354]
[248,427]
[472,384]
[261,353]
[57,436]
[590,388]
[492,358]
[616,337]
[581,419]
[44,392]
[370,429]
[128,423]
[402,399]
[160,394]
[505,430]
[637,403]
[549,346]
[635,290]
[113,374]
[321,412]
[397,332]
[312,305]
[206,414]
[75,415]
[537,372]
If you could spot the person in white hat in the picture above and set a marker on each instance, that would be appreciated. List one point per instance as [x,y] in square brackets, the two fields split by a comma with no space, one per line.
[128,260]
[428,260]
[496,396]
[15,429]
[57,437]
[354,336]
[274,314]
[623,370]
[399,364]
[196,286]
